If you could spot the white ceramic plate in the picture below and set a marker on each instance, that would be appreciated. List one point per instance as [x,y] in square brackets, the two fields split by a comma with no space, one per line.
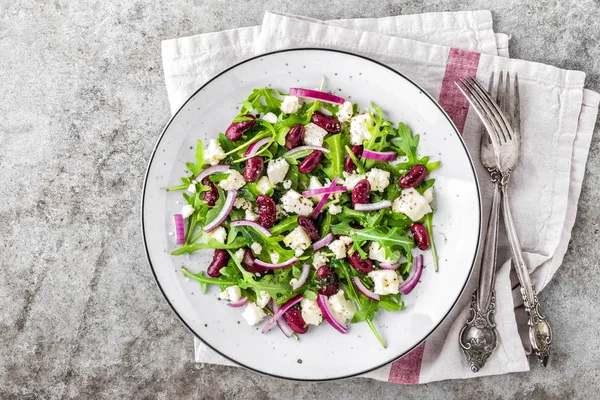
[322,353]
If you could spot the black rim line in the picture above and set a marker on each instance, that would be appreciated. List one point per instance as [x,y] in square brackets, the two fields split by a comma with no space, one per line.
[350,54]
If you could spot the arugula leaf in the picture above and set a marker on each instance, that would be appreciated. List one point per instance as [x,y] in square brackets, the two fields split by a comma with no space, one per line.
[428,226]
[407,143]
[335,156]
[216,209]
[285,225]
[393,236]
[210,244]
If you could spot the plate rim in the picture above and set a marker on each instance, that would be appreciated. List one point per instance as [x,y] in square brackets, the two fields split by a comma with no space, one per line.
[395,358]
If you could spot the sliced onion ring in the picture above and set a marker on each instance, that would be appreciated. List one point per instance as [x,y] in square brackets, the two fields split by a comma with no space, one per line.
[255,147]
[323,242]
[285,328]
[328,314]
[326,190]
[307,147]
[317,95]
[323,200]
[284,264]
[415,274]
[303,277]
[363,289]
[179,228]
[392,266]
[220,218]
[379,155]
[215,169]
[238,303]
[373,206]
[280,312]
[252,224]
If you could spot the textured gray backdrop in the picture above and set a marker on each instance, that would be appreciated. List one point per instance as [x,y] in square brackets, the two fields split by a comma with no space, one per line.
[82,102]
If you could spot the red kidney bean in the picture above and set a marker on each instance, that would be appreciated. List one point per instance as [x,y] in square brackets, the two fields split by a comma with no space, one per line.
[294,319]
[327,281]
[361,192]
[311,162]
[211,195]
[267,211]
[249,265]
[414,177]
[237,129]
[349,165]
[220,259]
[294,136]
[254,167]
[309,227]
[330,124]
[420,235]
[362,265]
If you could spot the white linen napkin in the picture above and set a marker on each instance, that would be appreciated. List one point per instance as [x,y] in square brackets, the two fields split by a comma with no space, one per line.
[558,117]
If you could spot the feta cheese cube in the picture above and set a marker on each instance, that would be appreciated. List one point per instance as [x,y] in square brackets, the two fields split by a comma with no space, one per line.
[274,257]
[345,112]
[412,204]
[315,184]
[239,254]
[386,281]
[359,129]
[314,134]
[297,240]
[287,184]
[192,188]
[338,247]
[242,203]
[256,248]
[280,212]
[262,299]
[234,181]
[319,260]
[350,180]
[253,314]
[379,179]
[377,253]
[214,152]
[270,117]
[290,104]
[251,215]
[428,194]
[263,185]
[335,209]
[187,210]
[341,308]
[311,313]
[276,170]
[293,202]
[232,293]
[219,234]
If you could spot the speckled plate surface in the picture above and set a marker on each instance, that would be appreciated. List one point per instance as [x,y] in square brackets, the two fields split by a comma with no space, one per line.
[322,353]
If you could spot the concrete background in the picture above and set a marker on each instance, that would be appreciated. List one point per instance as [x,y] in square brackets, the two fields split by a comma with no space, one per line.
[82,102]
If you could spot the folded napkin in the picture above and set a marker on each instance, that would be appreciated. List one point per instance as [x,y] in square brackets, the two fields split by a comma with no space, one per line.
[558,117]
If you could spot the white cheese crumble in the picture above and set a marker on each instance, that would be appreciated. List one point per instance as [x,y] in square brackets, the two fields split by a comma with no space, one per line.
[334,209]
[239,255]
[262,299]
[377,253]
[314,134]
[386,281]
[270,117]
[359,129]
[315,184]
[192,188]
[311,313]
[428,194]
[187,210]
[263,185]
[276,170]
[274,257]
[290,104]
[297,240]
[319,260]
[219,234]
[256,248]
[232,293]
[234,181]
[253,314]
[345,112]
[338,247]
[379,179]
[287,184]
[341,308]
[214,152]
[294,202]
[412,204]
[350,180]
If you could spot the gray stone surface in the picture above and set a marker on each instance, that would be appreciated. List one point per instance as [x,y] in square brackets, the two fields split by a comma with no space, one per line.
[81,104]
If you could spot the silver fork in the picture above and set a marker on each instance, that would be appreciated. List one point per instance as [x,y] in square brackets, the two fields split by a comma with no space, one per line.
[502,121]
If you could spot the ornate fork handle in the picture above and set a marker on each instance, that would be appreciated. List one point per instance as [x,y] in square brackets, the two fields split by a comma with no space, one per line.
[540,333]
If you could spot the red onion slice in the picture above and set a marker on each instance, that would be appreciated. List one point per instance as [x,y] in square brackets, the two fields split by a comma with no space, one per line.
[393,266]
[325,190]
[215,169]
[179,228]
[379,155]
[238,303]
[280,312]
[317,95]
[415,274]
[285,328]
[303,277]
[373,206]
[252,224]
[284,264]
[307,147]
[255,147]
[323,200]
[222,216]
[323,242]
[363,289]
[328,314]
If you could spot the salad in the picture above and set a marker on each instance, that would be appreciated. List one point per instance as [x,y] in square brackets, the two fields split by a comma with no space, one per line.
[316,211]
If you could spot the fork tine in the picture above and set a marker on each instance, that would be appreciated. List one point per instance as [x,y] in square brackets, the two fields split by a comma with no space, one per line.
[490,90]
[517,109]
[504,128]
[507,103]
[499,91]
[486,113]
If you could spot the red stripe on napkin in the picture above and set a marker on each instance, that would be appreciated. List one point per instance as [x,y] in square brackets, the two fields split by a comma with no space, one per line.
[460,64]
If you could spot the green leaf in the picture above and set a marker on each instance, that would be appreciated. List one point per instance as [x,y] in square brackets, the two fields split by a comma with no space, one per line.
[335,156]
[210,244]
[216,209]
[309,294]
[285,225]
[407,143]
[429,227]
